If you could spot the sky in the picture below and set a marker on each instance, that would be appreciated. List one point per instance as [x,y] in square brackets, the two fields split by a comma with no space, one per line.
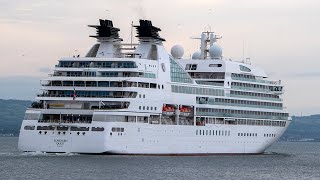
[282,37]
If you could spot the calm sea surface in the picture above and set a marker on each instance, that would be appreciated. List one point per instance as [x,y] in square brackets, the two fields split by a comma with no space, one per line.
[294,160]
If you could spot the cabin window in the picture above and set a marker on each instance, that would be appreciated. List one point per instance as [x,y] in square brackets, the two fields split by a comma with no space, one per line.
[215,65]
[29,127]
[79,129]
[97,129]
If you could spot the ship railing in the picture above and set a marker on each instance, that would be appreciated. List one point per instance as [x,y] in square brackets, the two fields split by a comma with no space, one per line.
[59,121]
[257,80]
[253,97]
[243,116]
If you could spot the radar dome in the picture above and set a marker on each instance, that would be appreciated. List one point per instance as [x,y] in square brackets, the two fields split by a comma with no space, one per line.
[215,51]
[196,55]
[177,51]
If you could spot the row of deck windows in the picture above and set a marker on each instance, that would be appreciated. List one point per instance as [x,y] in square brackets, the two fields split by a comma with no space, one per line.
[236,102]
[248,134]
[241,113]
[269,135]
[257,87]
[104,84]
[213,132]
[147,108]
[245,77]
[196,90]
[97,64]
[104,74]
[254,95]
[177,74]
[91,94]
[63,128]
[202,121]
[207,75]
[64,118]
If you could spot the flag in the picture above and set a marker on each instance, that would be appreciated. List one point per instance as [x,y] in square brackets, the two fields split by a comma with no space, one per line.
[74,94]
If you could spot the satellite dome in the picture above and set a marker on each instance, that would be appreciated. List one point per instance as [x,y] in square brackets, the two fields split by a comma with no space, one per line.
[215,51]
[177,51]
[196,55]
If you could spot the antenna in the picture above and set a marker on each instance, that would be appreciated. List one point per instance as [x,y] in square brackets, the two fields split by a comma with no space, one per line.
[131,32]
[243,51]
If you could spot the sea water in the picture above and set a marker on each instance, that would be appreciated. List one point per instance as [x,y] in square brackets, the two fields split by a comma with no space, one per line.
[284,160]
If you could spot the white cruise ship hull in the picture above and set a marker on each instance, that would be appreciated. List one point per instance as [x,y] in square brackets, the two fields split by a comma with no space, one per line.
[150,139]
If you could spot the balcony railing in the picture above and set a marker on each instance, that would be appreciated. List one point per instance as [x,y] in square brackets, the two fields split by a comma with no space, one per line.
[256,80]
[241,116]
[254,97]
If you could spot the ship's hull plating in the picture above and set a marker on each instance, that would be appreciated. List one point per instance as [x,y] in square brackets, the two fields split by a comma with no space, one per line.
[150,139]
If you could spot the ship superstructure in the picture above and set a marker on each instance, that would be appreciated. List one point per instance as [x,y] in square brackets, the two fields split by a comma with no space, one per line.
[137,99]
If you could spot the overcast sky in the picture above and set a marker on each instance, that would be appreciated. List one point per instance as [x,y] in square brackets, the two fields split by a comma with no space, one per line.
[282,37]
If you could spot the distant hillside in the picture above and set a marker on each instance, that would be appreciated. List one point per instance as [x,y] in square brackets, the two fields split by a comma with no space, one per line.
[304,127]
[12,113]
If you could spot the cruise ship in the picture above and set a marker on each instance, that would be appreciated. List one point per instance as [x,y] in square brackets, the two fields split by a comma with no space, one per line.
[138,99]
